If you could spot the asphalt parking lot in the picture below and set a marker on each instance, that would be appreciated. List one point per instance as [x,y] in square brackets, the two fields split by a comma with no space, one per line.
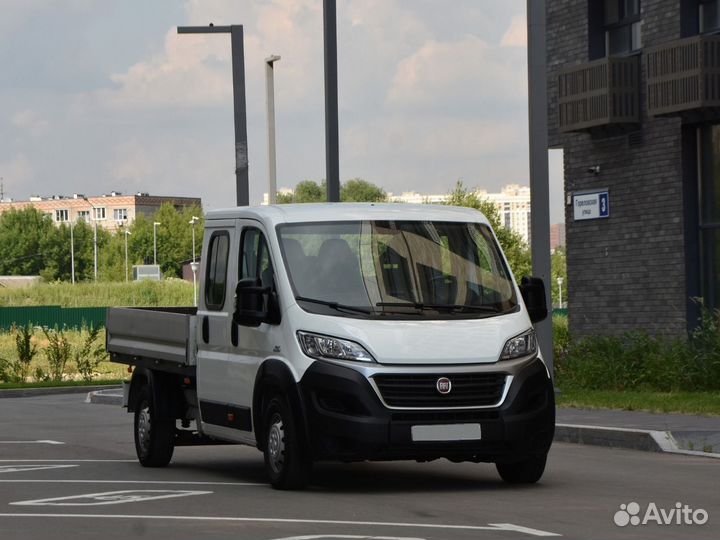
[68,470]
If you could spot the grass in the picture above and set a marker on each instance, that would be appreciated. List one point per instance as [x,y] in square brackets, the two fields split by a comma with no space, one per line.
[169,292]
[704,403]
[50,384]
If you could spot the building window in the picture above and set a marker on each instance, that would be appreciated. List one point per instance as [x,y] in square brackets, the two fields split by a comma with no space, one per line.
[709,16]
[615,28]
[99,213]
[120,214]
[61,216]
[709,216]
[83,215]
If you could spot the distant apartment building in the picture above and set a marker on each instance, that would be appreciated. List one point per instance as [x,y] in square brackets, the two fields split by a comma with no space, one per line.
[512,204]
[557,236]
[110,211]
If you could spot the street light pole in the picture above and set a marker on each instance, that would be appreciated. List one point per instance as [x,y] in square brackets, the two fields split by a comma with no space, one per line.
[72,254]
[127,233]
[155,226]
[240,112]
[560,282]
[332,159]
[194,264]
[95,246]
[270,102]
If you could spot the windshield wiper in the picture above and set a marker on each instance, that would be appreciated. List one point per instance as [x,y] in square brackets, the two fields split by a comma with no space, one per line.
[333,305]
[440,307]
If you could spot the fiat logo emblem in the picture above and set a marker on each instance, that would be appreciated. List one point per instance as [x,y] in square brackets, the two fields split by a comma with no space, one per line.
[443,385]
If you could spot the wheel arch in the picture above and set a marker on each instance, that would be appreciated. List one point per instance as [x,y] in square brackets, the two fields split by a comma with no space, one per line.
[165,391]
[274,376]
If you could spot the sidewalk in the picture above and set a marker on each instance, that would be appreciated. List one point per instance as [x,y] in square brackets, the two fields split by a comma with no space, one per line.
[675,433]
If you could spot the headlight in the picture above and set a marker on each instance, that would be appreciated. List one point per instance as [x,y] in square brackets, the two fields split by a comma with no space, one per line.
[326,347]
[523,345]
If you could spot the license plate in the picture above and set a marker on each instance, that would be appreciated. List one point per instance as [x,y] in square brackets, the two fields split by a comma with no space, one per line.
[449,432]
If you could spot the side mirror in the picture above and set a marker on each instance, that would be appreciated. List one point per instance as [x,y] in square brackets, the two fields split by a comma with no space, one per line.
[250,302]
[533,293]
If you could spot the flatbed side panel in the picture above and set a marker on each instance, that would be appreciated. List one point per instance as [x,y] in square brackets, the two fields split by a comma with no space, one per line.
[162,335]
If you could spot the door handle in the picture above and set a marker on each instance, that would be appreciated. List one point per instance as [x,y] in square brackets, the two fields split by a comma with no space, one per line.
[206,329]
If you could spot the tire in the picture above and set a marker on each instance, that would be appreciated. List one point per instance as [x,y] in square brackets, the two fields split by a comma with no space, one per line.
[526,471]
[286,461]
[154,437]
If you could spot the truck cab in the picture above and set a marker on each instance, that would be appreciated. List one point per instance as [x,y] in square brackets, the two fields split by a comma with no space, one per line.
[351,332]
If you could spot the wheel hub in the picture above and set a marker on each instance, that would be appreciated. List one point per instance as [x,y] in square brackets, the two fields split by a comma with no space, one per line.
[143,427]
[276,445]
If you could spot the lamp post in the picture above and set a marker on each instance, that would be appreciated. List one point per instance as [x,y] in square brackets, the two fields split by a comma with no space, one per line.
[270,102]
[95,246]
[127,233]
[560,282]
[194,264]
[72,254]
[155,226]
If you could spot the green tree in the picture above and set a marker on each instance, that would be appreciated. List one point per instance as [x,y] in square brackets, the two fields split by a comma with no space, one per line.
[25,235]
[515,248]
[359,190]
[309,191]
[558,262]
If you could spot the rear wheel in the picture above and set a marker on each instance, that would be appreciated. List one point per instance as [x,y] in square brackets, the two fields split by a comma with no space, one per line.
[286,462]
[526,471]
[154,437]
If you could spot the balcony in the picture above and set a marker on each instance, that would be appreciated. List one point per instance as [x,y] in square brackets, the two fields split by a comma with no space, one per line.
[602,95]
[683,78]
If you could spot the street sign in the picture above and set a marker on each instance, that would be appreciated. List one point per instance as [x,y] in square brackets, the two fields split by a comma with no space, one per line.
[591,205]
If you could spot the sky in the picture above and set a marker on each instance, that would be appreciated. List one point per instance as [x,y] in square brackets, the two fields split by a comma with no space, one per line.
[99,96]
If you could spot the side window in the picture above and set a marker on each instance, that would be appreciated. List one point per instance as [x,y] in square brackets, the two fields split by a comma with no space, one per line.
[216,275]
[255,257]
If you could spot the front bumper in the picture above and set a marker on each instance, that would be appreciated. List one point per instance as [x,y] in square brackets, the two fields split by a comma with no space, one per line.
[346,420]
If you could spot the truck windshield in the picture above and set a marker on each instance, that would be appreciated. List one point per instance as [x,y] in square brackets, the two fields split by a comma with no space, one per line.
[397,268]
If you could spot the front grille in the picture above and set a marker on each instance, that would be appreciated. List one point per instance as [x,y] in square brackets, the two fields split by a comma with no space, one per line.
[468,390]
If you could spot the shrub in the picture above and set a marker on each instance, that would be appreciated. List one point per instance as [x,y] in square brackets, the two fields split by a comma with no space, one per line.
[26,351]
[88,355]
[57,352]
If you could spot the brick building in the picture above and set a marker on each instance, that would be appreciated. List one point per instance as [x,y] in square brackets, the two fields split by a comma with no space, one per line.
[634,102]
[111,211]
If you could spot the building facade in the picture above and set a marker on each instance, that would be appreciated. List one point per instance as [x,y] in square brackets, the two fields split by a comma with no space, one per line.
[633,100]
[109,211]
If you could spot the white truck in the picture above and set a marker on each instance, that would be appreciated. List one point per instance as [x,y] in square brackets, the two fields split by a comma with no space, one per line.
[345,332]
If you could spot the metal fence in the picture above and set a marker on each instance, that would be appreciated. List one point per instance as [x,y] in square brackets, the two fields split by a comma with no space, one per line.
[51,316]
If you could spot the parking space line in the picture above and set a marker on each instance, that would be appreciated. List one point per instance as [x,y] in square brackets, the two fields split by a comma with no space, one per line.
[32,467]
[497,527]
[169,482]
[111,497]
[44,441]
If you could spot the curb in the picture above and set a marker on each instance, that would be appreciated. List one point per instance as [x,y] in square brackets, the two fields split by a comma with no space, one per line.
[53,390]
[107,396]
[629,439]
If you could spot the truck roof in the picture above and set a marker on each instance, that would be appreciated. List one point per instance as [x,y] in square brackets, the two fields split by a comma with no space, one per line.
[312,212]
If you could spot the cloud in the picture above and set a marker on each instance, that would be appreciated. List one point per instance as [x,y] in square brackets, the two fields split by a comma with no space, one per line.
[31,122]
[16,172]
[467,72]
[516,34]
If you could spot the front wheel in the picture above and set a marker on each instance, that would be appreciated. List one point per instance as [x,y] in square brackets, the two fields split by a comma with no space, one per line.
[154,437]
[286,462]
[526,471]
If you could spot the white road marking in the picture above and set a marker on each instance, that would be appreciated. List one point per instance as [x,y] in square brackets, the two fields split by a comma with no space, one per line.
[497,527]
[110,497]
[521,529]
[44,441]
[169,482]
[318,536]
[37,467]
